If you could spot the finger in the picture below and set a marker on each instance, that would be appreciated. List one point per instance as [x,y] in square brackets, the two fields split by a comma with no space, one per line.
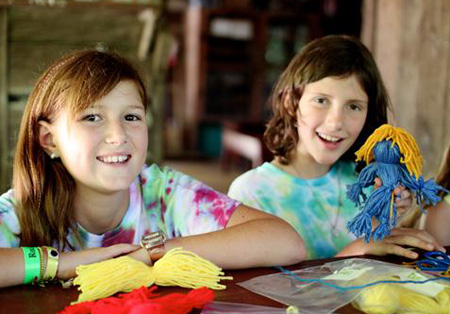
[402,193]
[402,251]
[411,241]
[377,183]
[391,248]
[399,189]
[403,205]
[401,210]
[421,234]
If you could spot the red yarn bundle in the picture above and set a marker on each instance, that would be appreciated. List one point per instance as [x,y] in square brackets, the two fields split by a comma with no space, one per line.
[144,300]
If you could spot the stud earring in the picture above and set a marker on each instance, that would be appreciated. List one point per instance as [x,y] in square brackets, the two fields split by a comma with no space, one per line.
[53,156]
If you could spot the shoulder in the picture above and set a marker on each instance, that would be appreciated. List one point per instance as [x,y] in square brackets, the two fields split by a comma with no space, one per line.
[163,181]
[255,178]
[153,171]
[346,167]
[252,188]
[9,223]
[156,174]
[346,170]
[265,171]
[7,202]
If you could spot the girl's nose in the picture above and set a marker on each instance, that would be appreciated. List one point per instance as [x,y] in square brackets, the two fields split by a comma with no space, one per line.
[335,118]
[116,134]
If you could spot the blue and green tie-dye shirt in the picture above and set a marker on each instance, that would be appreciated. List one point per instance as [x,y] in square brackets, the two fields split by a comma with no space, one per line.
[317,208]
[160,199]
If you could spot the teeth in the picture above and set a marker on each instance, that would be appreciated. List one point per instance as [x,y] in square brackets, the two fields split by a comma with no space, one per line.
[329,137]
[113,159]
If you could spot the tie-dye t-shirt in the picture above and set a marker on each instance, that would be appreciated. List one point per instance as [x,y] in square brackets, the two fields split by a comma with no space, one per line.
[317,208]
[160,199]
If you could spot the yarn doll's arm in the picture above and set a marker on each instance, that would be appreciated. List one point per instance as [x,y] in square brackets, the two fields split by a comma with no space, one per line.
[365,179]
[426,191]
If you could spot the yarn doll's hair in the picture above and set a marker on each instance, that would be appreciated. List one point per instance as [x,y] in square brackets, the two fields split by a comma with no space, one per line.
[409,150]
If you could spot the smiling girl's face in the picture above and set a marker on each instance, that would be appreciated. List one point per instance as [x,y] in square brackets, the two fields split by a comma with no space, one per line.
[331,114]
[104,147]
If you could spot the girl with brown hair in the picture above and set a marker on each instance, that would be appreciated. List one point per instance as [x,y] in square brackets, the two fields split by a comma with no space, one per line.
[82,193]
[326,103]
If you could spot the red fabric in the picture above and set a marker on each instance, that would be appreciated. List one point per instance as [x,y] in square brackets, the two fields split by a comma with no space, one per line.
[144,300]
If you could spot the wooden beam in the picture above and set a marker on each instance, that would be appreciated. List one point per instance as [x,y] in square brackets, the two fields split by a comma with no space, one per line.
[369,27]
[194,79]
[4,138]
[434,49]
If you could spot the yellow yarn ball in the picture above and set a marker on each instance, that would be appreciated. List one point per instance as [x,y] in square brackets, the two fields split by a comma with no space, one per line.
[393,298]
[175,268]
[379,299]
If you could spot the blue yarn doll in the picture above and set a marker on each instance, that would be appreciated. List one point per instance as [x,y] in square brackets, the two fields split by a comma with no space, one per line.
[392,155]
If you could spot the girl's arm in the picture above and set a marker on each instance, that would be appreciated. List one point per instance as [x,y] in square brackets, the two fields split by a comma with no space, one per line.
[12,262]
[397,243]
[437,222]
[252,238]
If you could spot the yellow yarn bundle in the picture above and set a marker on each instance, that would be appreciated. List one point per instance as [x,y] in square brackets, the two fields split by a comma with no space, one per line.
[123,274]
[406,143]
[393,298]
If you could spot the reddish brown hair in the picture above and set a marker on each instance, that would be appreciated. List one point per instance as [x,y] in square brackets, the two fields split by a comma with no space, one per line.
[330,56]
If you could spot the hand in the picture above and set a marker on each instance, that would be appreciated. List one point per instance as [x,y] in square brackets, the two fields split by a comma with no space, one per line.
[68,261]
[403,197]
[395,244]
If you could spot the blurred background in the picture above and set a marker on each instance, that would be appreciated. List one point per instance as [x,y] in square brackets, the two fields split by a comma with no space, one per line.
[210,67]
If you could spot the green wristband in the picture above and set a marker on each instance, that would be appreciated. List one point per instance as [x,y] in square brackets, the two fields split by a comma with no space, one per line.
[32,261]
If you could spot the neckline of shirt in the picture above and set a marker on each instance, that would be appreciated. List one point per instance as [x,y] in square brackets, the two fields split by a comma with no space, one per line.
[132,211]
[311,182]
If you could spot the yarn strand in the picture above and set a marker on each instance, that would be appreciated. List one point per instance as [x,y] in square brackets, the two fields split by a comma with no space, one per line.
[123,274]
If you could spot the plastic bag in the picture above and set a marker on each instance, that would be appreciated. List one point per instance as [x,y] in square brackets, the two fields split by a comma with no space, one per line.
[217,307]
[323,289]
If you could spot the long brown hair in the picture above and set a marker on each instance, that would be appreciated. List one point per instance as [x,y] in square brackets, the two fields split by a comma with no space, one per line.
[42,186]
[330,56]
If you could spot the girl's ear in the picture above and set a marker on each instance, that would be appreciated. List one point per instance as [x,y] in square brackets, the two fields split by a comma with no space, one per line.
[46,138]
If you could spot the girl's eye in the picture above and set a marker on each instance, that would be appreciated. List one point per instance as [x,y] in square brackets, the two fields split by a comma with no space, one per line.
[355,107]
[320,100]
[91,118]
[132,117]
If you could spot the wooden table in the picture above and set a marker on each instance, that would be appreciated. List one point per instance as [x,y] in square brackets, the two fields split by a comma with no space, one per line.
[53,298]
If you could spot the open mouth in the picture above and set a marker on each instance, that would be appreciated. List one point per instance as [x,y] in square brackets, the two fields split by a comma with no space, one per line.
[120,159]
[329,138]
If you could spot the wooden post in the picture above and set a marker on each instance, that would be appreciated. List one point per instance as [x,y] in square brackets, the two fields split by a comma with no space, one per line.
[4,138]
[194,86]
[411,43]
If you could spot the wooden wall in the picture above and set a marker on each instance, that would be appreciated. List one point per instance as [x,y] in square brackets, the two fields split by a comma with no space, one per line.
[410,40]
[31,37]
